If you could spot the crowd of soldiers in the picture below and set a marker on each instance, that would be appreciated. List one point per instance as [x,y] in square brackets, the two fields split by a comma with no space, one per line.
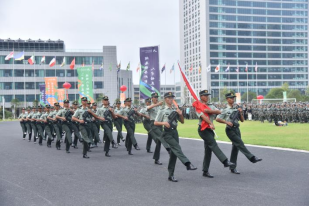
[159,118]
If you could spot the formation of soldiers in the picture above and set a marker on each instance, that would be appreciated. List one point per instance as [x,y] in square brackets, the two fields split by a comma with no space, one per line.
[84,123]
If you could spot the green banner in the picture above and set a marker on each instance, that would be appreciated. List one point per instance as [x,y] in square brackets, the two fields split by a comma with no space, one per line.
[85,83]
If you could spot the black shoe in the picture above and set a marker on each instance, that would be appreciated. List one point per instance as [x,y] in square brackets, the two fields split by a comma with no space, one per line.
[123,140]
[40,144]
[68,151]
[136,147]
[157,162]
[75,147]
[107,154]
[149,151]
[169,151]
[172,178]
[85,156]
[207,174]
[118,144]
[29,140]
[191,167]
[89,150]
[91,146]
[227,163]
[255,159]
[235,171]
[130,153]
[114,145]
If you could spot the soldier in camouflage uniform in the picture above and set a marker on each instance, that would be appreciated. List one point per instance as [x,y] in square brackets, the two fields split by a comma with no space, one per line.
[56,126]
[118,121]
[75,128]
[40,126]
[22,120]
[147,123]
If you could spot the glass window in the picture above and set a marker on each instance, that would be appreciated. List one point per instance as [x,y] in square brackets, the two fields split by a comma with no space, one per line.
[29,85]
[244,47]
[259,4]
[37,84]
[60,73]
[274,26]
[98,84]
[244,18]
[274,12]
[273,5]
[71,73]
[29,73]
[30,98]
[5,86]
[231,47]
[8,98]
[40,73]
[244,11]
[50,73]
[19,85]
[5,73]
[20,97]
[19,73]
[273,19]
[259,11]
[244,40]
[244,3]
[259,19]
[98,73]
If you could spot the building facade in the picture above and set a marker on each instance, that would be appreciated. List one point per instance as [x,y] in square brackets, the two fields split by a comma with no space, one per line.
[268,37]
[20,80]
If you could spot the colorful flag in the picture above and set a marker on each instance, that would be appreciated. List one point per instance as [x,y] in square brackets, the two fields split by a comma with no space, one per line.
[110,67]
[191,68]
[52,62]
[118,70]
[208,68]
[31,60]
[217,68]
[246,67]
[138,67]
[92,65]
[72,65]
[237,69]
[163,69]
[172,69]
[200,69]
[43,59]
[20,56]
[9,56]
[256,68]
[63,62]
[119,65]
[101,67]
[128,67]
[228,68]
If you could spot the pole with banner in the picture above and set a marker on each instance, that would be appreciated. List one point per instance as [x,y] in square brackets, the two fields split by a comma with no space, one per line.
[150,72]
[42,94]
[51,86]
[85,83]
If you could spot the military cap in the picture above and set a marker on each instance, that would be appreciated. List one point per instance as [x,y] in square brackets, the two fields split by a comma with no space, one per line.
[47,106]
[148,100]
[29,108]
[154,95]
[56,104]
[75,103]
[204,93]
[128,100]
[168,94]
[52,107]
[33,107]
[66,101]
[230,95]
[105,98]
[94,104]
[84,99]
[118,102]
[88,102]
[23,109]
[39,107]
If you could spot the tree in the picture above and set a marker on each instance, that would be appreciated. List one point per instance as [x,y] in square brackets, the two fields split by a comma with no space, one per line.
[307,91]
[251,95]
[15,103]
[7,114]
[223,92]
[295,94]
[35,103]
[275,93]
[285,87]
[100,97]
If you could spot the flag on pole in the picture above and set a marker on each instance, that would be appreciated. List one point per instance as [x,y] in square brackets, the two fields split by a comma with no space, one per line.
[101,67]
[228,68]
[200,69]
[119,65]
[43,60]
[163,69]
[191,68]
[172,69]
[9,56]
[217,68]
[128,67]
[237,69]
[256,67]
[63,62]
[246,67]
[72,65]
[52,62]
[31,60]
[138,67]
[208,68]
[110,67]
[92,65]
[20,56]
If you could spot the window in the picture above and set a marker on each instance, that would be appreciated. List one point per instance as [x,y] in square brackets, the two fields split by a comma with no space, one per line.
[98,84]
[60,73]
[19,85]
[20,97]
[5,73]
[50,73]
[30,98]
[29,85]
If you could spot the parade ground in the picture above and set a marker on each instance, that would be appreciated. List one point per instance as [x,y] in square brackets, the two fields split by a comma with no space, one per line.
[36,175]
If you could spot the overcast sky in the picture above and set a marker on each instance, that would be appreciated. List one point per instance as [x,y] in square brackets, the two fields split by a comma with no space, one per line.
[90,24]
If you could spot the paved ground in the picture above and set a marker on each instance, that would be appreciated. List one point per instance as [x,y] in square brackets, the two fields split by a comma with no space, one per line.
[36,175]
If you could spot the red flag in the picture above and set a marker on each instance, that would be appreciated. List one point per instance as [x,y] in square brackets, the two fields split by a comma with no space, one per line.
[52,62]
[191,68]
[246,68]
[72,65]
[200,107]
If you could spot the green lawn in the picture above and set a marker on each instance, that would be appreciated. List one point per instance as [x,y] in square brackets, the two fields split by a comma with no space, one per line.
[294,136]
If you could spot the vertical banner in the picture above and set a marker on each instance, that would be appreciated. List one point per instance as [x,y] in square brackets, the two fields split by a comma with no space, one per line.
[85,83]
[150,74]
[51,86]
[238,98]
[61,95]
[42,94]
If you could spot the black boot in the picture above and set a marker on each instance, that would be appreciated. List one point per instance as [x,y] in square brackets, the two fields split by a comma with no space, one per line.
[207,174]
[67,147]
[255,159]
[136,147]
[227,163]
[190,166]
[114,145]
[129,152]
[107,154]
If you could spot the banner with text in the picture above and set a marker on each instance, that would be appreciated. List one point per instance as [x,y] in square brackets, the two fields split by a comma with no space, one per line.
[51,86]
[61,95]
[150,73]
[42,94]
[85,83]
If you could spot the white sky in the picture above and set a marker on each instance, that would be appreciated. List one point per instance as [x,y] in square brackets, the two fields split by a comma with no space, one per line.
[90,24]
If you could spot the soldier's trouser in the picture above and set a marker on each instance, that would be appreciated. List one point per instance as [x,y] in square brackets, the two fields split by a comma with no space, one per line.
[147,126]
[237,145]
[210,145]
[172,138]
[34,129]
[95,132]
[76,133]
[68,135]
[49,134]
[58,134]
[130,139]
[85,131]
[40,132]
[108,127]
[118,124]
[156,135]
[24,128]
[29,129]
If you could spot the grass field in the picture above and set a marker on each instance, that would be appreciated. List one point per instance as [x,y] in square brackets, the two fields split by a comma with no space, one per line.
[295,136]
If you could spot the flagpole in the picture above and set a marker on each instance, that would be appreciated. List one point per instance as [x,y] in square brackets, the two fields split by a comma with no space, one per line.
[238,78]
[256,84]
[140,73]
[24,85]
[219,88]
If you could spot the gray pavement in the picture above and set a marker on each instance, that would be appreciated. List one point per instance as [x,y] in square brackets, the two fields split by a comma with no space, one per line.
[36,175]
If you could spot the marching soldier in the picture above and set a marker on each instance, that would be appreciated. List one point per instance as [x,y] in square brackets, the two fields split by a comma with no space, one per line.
[230,116]
[40,126]
[33,124]
[118,121]
[95,126]
[28,122]
[170,134]
[207,134]
[65,117]
[127,114]
[57,127]
[22,120]
[84,116]
[107,114]
[48,125]
[75,129]
[156,131]
[147,123]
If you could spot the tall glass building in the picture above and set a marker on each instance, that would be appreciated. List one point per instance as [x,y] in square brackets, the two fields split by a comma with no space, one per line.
[268,37]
